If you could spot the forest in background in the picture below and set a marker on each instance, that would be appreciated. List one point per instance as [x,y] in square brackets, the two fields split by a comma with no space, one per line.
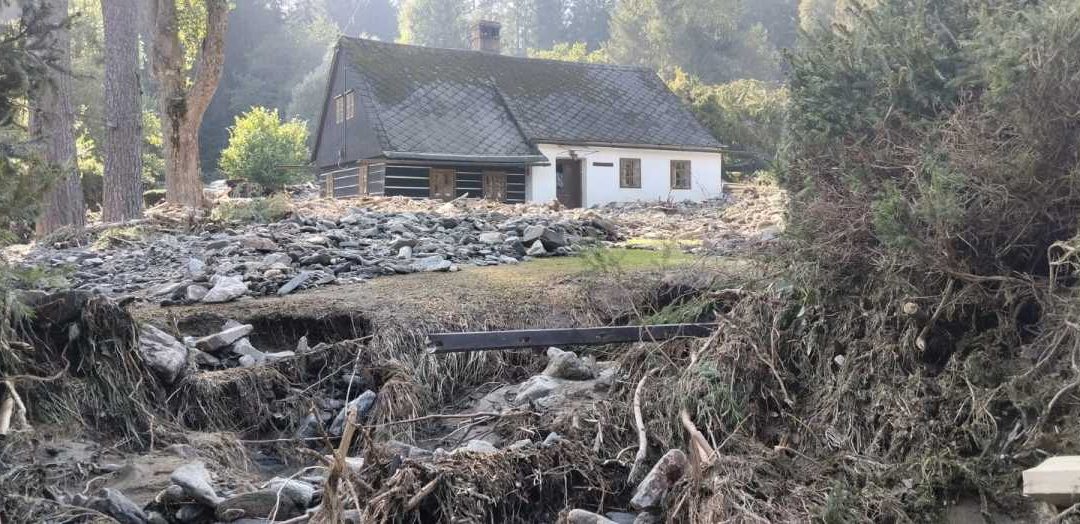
[723,56]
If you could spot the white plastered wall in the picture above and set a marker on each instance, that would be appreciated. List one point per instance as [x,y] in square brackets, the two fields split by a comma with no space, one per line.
[601,182]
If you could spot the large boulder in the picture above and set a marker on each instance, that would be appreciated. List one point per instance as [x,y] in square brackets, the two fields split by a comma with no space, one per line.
[259,505]
[163,354]
[297,281]
[223,338]
[667,471]
[433,263]
[114,504]
[549,237]
[195,481]
[567,365]
[226,289]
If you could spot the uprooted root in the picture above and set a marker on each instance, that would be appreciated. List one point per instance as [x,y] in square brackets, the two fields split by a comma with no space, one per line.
[518,485]
[73,359]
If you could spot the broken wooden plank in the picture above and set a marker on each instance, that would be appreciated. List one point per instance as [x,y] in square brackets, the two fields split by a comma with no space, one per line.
[1056,480]
[541,338]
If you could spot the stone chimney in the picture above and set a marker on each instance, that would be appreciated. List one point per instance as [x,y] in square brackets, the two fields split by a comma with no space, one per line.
[485,37]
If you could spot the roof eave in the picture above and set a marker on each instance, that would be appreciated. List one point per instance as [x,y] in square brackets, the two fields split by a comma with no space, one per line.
[661,147]
[476,159]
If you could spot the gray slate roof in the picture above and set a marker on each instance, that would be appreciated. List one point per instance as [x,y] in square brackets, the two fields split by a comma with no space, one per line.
[447,103]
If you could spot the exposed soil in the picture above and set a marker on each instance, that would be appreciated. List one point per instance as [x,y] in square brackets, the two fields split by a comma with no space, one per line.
[242,423]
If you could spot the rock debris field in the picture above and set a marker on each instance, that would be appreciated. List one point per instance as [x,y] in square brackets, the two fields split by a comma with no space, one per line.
[332,241]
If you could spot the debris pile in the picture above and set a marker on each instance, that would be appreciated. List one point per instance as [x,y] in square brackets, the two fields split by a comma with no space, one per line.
[298,253]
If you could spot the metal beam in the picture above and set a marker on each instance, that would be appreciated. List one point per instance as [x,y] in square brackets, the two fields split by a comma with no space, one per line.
[540,338]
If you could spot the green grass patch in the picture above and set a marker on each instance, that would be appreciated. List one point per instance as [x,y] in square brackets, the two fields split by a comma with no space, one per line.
[118,236]
[661,243]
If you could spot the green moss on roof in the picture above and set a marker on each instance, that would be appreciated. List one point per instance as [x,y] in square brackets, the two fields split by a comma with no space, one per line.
[466,102]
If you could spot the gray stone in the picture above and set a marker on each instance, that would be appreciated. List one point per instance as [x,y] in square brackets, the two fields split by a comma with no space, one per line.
[273,274]
[226,289]
[646,518]
[405,252]
[163,354]
[536,249]
[363,404]
[318,240]
[580,516]
[257,243]
[259,504]
[195,293]
[271,357]
[296,282]
[299,491]
[620,517]
[514,245]
[567,365]
[552,239]
[114,504]
[194,268]
[195,480]
[667,471]
[248,361]
[172,494]
[277,258]
[223,338]
[399,243]
[492,238]
[550,440]
[535,388]
[167,289]
[202,358]
[244,348]
[477,446]
[430,264]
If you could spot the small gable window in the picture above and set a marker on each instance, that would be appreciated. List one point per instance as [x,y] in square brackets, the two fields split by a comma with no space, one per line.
[339,109]
[350,105]
[680,174]
[630,173]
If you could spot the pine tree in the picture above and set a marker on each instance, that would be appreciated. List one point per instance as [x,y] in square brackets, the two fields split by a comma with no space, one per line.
[122,185]
[52,123]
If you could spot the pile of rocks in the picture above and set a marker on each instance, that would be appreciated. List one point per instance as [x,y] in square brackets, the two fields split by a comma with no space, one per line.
[171,359]
[299,253]
[191,497]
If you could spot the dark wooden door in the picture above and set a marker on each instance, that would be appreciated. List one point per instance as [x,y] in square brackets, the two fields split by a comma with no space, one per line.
[568,182]
[442,184]
[495,186]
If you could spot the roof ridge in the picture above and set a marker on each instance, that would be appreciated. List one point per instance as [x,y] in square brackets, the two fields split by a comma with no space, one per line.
[470,52]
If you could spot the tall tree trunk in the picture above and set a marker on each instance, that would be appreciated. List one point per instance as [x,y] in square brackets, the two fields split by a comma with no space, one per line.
[183,102]
[52,121]
[122,184]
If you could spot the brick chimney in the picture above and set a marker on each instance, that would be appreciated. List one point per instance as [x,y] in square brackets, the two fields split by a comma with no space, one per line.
[485,37]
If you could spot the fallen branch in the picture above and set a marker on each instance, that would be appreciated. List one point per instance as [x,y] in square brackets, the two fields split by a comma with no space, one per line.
[701,452]
[12,407]
[416,499]
[643,441]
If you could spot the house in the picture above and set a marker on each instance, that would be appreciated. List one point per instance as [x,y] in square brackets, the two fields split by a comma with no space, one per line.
[442,123]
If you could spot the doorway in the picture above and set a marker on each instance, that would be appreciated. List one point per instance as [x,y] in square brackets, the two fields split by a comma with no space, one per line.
[495,186]
[568,182]
[442,184]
